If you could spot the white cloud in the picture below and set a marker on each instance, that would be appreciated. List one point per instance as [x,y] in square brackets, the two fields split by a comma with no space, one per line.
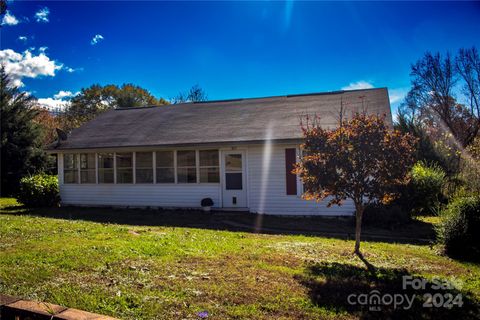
[54,105]
[23,38]
[9,19]
[42,15]
[358,85]
[96,39]
[64,94]
[27,65]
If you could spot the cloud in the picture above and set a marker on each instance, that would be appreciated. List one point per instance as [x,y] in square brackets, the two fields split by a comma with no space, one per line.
[24,39]
[358,85]
[96,39]
[64,94]
[42,15]
[27,65]
[54,105]
[9,19]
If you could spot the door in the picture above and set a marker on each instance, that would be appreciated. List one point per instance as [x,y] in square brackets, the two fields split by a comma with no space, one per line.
[234,183]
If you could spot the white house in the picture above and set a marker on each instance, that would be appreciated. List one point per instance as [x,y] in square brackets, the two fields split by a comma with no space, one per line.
[237,152]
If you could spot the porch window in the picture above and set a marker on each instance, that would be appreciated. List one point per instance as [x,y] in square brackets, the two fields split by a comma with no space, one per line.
[165,167]
[144,167]
[105,168]
[186,166]
[87,168]
[209,166]
[125,167]
[70,168]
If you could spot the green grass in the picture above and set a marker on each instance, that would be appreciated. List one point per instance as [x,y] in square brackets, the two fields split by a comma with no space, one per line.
[170,271]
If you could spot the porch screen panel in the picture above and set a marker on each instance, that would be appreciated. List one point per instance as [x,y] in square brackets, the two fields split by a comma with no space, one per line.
[209,166]
[144,167]
[165,167]
[105,168]
[87,168]
[186,166]
[70,168]
[291,178]
[125,167]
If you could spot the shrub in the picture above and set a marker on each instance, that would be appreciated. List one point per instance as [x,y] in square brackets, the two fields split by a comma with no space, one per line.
[459,229]
[425,188]
[39,190]
[380,215]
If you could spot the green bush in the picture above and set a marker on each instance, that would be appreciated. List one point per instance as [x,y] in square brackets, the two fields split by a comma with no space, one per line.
[385,216]
[39,190]
[459,230]
[425,188]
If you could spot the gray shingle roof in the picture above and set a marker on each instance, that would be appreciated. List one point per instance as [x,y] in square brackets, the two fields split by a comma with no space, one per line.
[228,121]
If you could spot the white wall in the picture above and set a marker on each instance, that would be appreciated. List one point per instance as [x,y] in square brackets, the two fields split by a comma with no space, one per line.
[155,195]
[267,187]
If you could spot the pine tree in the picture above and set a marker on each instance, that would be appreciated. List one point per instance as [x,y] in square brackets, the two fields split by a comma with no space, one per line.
[21,137]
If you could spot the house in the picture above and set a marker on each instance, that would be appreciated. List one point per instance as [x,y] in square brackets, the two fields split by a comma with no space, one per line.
[237,152]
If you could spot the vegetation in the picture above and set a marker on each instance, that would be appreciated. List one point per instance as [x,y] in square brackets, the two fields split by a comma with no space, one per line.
[426,187]
[194,94]
[361,160]
[39,190]
[459,230]
[96,99]
[21,136]
[155,268]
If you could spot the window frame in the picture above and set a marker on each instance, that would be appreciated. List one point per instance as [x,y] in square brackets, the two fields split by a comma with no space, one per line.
[174,167]
[135,164]
[94,169]
[218,167]
[101,169]
[117,168]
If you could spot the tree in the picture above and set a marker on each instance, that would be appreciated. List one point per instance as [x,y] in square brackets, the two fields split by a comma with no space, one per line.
[362,160]
[97,99]
[194,94]
[436,99]
[21,142]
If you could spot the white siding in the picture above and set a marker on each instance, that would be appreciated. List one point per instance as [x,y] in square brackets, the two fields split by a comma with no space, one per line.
[267,187]
[141,195]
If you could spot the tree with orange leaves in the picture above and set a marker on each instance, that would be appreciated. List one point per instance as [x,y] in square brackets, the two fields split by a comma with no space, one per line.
[362,160]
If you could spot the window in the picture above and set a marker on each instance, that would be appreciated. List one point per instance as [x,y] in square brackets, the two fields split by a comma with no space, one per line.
[186,166]
[70,168]
[87,168]
[209,167]
[144,167]
[124,167]
[233,172]
[291,178]
[165,167]
[105,168]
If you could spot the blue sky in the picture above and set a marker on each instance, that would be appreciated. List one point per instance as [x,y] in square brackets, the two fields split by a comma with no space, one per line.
[231,49]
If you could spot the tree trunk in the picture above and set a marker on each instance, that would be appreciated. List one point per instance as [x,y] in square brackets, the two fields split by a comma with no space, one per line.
[358,226]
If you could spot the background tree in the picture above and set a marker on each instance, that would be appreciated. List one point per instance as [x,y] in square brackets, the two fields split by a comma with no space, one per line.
[361,159]
[445,94]
[194,94]
[96,99]
[21,136]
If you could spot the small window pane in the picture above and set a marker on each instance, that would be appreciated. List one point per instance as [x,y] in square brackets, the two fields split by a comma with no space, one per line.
[87,161]
[186,158]
[208,158]
[125,160]
[70,176]
[144,176]
[87,176]
[144,160]
[70,161]
[233,181]
[187,175]
[165,175]
[124,175]
[233,162]
[105,160]
[105,175]
[209,174]
[165,159]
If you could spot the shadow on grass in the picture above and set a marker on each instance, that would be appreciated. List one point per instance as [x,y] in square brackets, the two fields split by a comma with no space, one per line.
[370,293]
[417,232]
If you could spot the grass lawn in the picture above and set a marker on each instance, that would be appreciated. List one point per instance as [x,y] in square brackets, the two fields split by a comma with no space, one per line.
[177,264]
